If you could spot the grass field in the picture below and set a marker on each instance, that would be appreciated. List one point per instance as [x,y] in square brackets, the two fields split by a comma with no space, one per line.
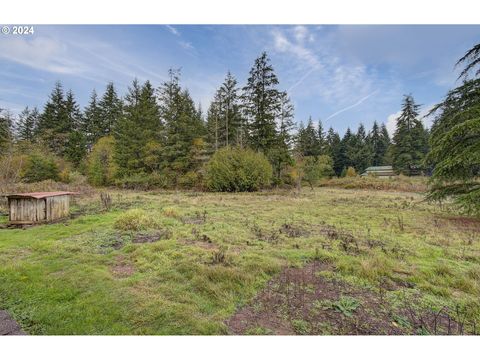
[327,261]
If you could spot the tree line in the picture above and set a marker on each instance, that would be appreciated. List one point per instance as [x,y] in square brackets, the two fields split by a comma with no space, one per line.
[160,133]
[162,130]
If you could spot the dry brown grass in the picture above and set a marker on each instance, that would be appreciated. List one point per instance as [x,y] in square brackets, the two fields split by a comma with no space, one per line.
[400,183]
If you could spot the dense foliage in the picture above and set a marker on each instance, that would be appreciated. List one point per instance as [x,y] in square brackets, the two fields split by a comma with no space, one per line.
[410,141]
[101,167]
[455,143]
[39,168]
[159,137]
[237,169]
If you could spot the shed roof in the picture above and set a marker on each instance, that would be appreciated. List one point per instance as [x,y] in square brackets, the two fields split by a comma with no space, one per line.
[41,195]
[379,168]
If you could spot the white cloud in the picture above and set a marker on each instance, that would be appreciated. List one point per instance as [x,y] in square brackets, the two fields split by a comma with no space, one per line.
[186,45]
[40,53]
[283,45]
[85,58]
[173,30]
[352,106]
[327,76]
[391,123]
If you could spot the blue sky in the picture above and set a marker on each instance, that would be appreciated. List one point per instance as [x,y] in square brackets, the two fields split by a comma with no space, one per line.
[343,75]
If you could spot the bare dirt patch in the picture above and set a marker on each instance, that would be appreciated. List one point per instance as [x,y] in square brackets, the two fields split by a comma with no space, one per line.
[460,222]
[293,231]
[303,301]
[8,326]
[122,268]
[153,237]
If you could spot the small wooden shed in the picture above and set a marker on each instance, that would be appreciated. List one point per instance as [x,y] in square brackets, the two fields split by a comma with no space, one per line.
[380,171]
[38,207]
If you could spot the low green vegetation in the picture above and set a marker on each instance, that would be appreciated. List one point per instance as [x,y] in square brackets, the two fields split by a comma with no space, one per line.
[185,262]
[235,169]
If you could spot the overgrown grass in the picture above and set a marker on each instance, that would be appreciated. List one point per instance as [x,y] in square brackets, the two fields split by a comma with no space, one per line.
[400,183]
[90,275]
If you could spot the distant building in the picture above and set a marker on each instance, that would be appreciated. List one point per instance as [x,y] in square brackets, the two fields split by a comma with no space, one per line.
[380,171]
[38,207]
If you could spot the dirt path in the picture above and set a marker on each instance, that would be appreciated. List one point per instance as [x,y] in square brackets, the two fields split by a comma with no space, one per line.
[8,326]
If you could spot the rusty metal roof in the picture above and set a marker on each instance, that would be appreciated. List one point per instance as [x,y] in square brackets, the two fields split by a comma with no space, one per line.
[41,195]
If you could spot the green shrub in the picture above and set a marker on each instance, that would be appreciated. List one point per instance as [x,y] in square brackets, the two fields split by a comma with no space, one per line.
[101,168]
[315,168]
[136,220]
[235,169]
[39,168]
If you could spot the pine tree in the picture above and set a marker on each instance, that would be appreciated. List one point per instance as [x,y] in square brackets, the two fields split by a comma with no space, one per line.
[346,144]
[307,140]
[27,124]
[75,147]
[280,154]
[54,124]
[357,150]
[386,144]
[213,123]
[333,149]
[111,108]
[6,130]
[224,120]
[321,139]
[260,101]
[137,129]
[410,139]
[455,151]
[471,59]
[92,121]
[183,126]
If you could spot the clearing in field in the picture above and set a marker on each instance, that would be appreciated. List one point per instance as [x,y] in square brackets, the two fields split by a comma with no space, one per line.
[327,261]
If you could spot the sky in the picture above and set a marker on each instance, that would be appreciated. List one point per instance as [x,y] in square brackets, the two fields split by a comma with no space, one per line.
[344,75]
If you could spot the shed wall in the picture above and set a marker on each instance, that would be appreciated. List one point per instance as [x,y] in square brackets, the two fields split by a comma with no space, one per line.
[57,207]
[27,210]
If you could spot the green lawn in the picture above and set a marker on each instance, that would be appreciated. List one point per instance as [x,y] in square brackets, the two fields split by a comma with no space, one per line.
[217,251]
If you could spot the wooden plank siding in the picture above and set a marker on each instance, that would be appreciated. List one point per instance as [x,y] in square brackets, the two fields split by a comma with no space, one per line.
[57,207]
[29,210]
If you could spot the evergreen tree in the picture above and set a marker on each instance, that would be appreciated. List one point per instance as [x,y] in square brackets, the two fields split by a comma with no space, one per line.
[308,143]
[280,154]
[387,144]
[110,109]
[6,130]
[410,138]
[183,126]
[322,144]
[359,150]
[224,120]
[93,118]
[471,59]
[333,149]
[213,123]
[260,101]
[345,151]
[54,126]
[27,124]
[137,129]
[75,146]
[455,151]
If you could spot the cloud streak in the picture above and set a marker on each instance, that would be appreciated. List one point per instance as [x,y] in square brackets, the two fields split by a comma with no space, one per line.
[173,30]
[351,106]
